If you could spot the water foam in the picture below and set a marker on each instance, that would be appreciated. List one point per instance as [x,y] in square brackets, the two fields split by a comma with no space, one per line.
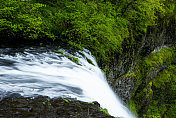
[52,74]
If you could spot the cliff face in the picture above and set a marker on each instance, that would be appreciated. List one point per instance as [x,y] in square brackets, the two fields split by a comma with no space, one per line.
[146,80]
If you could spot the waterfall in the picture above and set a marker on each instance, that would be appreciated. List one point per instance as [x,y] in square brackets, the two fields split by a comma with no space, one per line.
[39,71]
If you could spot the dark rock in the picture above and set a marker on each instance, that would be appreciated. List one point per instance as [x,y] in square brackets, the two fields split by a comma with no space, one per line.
[96,103]
[124,86]
[15,105]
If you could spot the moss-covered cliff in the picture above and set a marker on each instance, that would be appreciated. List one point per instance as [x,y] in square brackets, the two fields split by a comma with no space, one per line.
[154,84]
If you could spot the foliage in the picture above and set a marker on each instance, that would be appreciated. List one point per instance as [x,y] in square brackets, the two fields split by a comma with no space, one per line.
[21,19]
[170,9]
[108,28]
[95,27]
[91,25]
[140,13]
[163,103]
[156,59]
[131,105]
[100,26]
[104,110]
[74,59]
[156,85]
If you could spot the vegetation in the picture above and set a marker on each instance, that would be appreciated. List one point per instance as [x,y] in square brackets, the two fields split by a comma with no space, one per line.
[104,110]
[100,25]
[154,95]
[109,29]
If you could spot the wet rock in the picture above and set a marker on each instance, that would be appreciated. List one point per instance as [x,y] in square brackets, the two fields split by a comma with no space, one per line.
[124,86]
[41,106]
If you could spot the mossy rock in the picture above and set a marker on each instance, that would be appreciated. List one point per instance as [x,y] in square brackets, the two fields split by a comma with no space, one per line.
[90,61]
[42,106]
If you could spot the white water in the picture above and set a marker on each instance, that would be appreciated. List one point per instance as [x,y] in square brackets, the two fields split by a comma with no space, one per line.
[157,49]
[53,75]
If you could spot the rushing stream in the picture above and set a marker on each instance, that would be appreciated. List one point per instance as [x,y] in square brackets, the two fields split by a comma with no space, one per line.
[39,71]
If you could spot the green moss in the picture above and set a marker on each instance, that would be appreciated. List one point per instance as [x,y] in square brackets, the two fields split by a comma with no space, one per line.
[150,83]
[90,61]
[148,63]
[66,100]
[159,58]
[73,59]
[165,76]
[132,74]
[162,103]
[132,106]
[49,104]
[61,52]
[171,113]
[156,111]
[145,90]
[160,90]
[104,110]
[90,103]
[160,80]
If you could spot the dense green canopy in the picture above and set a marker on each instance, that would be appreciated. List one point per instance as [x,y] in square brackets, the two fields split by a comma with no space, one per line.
[99,25]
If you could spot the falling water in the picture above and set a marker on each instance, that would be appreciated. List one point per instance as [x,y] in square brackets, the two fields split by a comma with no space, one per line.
[38,71]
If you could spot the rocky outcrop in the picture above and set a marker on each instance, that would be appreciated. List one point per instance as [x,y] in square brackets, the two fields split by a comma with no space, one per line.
[124,86]
[16,106]
[116,77]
